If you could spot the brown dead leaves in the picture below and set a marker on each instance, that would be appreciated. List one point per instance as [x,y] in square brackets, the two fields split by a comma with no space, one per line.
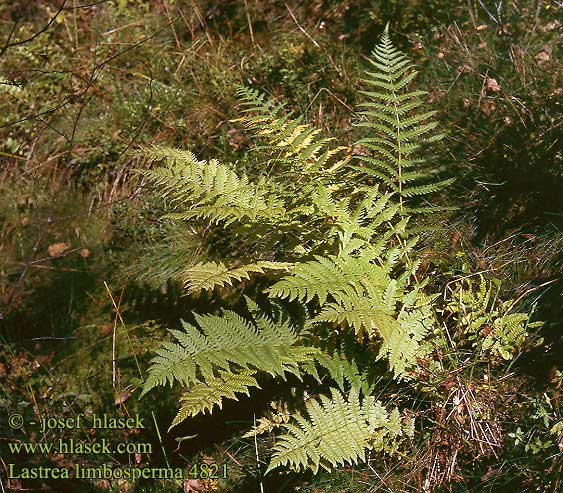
[492,85]
[57,249]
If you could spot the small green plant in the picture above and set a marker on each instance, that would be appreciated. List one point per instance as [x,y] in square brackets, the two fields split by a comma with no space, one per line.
[487,322]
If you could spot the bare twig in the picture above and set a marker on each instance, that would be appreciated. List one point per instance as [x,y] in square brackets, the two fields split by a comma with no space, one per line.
[249,24]
[29,262]
[493,18]
[9,44]
[117,317]
[300,27]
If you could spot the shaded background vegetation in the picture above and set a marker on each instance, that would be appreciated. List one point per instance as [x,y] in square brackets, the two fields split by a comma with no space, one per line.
[82,86]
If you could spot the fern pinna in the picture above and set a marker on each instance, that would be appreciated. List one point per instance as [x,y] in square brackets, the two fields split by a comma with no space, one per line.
[362,295]
[337,249]
[221,357]
[337,430]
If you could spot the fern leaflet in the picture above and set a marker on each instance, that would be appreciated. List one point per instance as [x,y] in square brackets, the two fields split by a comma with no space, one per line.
[208,275]
[364,296]
[211,190]
[206,395]
[289,141]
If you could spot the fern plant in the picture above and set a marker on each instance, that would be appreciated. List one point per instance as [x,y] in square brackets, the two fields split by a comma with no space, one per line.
[487,322]
[337,249]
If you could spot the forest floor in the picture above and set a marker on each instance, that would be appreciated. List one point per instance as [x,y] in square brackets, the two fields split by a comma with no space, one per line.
[85,300]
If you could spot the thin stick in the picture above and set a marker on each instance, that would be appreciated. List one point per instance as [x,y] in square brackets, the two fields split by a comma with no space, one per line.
[547,283]
[6,469]
[37,412]
[233,459]
[379,477]
[38,33]
[160,438]
[299,26]
[257,458]
[12,155]
[249,24]
[178,44]
[117,317]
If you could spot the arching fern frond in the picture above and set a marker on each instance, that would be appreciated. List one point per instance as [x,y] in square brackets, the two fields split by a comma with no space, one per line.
[228,342]
[210,190]
[339,277]
[289,141]
[361,294]
[400,129]
[273,419]
[334,368]
[335,431]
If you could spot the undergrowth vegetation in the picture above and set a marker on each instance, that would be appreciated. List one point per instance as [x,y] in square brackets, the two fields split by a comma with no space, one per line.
[318,244]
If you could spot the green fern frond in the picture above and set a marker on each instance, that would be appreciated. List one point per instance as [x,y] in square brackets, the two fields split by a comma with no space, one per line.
[335,431]
[337,368]
[209,189]
[339,277]
[208,275]
[400,130]
[226,343]
[288,140]
[206,395]
[508,335]
[344,280]
[361,314]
